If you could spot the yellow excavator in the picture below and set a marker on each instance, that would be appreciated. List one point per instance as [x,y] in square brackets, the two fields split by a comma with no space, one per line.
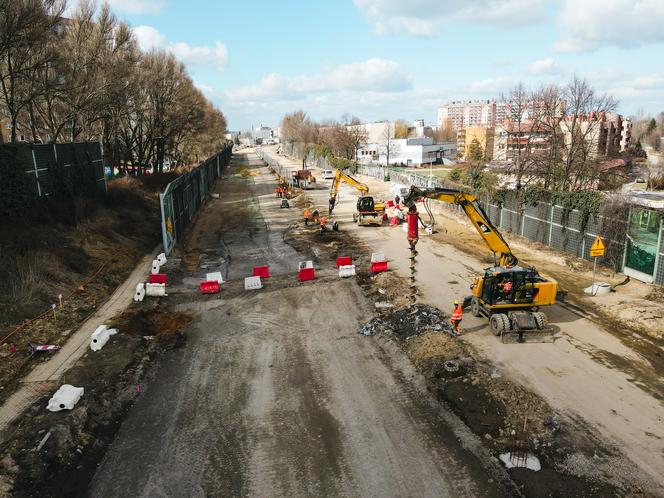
[369,211]
[509,295]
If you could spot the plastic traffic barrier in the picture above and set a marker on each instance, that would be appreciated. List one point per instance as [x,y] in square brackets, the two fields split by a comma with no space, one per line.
[157,278]
[346,271]
[155,267]
[390,204]
[161,258]
[261,271]
[378,266]
[100,337]
[214,276]
[65,398]
[139,295]
[209,287]
[253,283]
[155,290]
[378,256]
[306,271]
[344,261]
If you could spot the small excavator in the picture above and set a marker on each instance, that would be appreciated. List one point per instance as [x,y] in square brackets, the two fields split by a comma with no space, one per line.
[369,211]
[509,295]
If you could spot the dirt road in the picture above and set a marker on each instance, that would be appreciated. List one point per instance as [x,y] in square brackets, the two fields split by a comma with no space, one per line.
[276,394]
[587,374]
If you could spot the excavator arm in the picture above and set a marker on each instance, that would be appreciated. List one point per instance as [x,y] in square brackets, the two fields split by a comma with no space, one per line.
[475,213]
[340,176]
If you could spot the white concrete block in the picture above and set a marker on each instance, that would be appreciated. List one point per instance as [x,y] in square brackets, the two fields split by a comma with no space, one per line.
[346,271]
[252,283]
[65,398]
[100,337]
[214,276]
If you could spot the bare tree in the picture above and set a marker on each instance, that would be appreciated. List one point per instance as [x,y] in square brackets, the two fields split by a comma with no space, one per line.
[389,146]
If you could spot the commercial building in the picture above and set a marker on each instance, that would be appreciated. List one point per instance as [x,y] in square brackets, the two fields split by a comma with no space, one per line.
[408,152]
[377,132]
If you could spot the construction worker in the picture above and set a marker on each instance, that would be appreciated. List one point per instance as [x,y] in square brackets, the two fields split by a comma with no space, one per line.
[457,316]
[306,216]
[505,287]
[331,207]
[323,222]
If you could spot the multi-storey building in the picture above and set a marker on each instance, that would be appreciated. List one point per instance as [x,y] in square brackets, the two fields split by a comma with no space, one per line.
[466,113]
[484,137]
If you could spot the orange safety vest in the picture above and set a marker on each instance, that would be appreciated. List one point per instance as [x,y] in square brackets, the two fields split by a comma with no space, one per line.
[323,220]
[306,213]
[457,314]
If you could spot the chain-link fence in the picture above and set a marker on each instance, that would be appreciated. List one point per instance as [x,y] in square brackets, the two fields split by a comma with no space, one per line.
[185,195]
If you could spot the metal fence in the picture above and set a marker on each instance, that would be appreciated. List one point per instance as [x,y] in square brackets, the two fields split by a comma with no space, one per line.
[39,159]
[186,194]
[552,225]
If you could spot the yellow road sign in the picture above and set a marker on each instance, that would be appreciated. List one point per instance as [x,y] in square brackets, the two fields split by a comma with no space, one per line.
[597,249]
[169,225]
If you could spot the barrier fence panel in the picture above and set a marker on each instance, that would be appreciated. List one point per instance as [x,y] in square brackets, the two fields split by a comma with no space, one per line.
[186,194]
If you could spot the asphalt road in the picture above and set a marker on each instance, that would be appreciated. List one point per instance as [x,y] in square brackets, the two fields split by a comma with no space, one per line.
[276,394]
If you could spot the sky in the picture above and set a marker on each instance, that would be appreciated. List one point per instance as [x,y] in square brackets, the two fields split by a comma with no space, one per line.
[397,59]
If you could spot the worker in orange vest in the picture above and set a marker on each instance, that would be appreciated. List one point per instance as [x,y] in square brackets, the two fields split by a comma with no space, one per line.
[323,222]
[306,216]
[457,316]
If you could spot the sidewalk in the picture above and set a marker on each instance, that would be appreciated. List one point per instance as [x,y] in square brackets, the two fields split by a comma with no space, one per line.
[46,376]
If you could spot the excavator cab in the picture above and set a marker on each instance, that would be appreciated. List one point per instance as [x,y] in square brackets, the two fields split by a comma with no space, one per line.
[365,204]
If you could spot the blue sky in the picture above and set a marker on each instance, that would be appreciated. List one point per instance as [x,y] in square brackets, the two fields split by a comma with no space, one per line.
[390,59]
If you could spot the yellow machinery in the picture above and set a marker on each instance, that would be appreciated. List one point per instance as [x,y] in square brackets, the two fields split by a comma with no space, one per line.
[508,294]
[369,210]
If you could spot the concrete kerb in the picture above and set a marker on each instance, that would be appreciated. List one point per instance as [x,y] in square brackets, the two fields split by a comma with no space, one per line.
[52,371]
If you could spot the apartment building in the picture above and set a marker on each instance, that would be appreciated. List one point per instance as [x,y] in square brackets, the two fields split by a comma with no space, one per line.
[470,113]
[483,135]
[607,134]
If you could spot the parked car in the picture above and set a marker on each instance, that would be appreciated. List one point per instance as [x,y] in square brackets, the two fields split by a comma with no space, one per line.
[327,174]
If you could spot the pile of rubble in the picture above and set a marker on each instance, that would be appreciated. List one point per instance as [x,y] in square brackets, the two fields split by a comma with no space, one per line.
[409,321]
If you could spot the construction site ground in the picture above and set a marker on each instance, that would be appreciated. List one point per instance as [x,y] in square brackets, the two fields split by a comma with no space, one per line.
[605,371]
[274,392]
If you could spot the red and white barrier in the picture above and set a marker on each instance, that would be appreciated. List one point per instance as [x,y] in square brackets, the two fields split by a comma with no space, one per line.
[347,271]
[209,287]
[378,262]
[155,290]
[214,276]
[261,271]
[306,271]
[253,283]
[344,261]
[157,278]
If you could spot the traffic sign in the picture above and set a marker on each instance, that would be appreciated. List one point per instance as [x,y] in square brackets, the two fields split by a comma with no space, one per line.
[597,249]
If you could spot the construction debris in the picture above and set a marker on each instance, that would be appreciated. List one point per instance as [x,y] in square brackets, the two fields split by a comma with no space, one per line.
[526,461]
[409,321]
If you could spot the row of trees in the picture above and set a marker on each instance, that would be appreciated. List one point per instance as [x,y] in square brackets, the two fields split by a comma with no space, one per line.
[340,139]
[84,78]
[558,130]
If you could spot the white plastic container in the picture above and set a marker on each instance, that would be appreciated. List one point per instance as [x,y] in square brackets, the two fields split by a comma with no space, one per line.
[65,398]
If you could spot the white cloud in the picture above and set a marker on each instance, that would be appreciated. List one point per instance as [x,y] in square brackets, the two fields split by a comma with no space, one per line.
[491,86]
[425,17]
[590,24]
[138,6]
[216,56]
[373,75]
[544,66]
